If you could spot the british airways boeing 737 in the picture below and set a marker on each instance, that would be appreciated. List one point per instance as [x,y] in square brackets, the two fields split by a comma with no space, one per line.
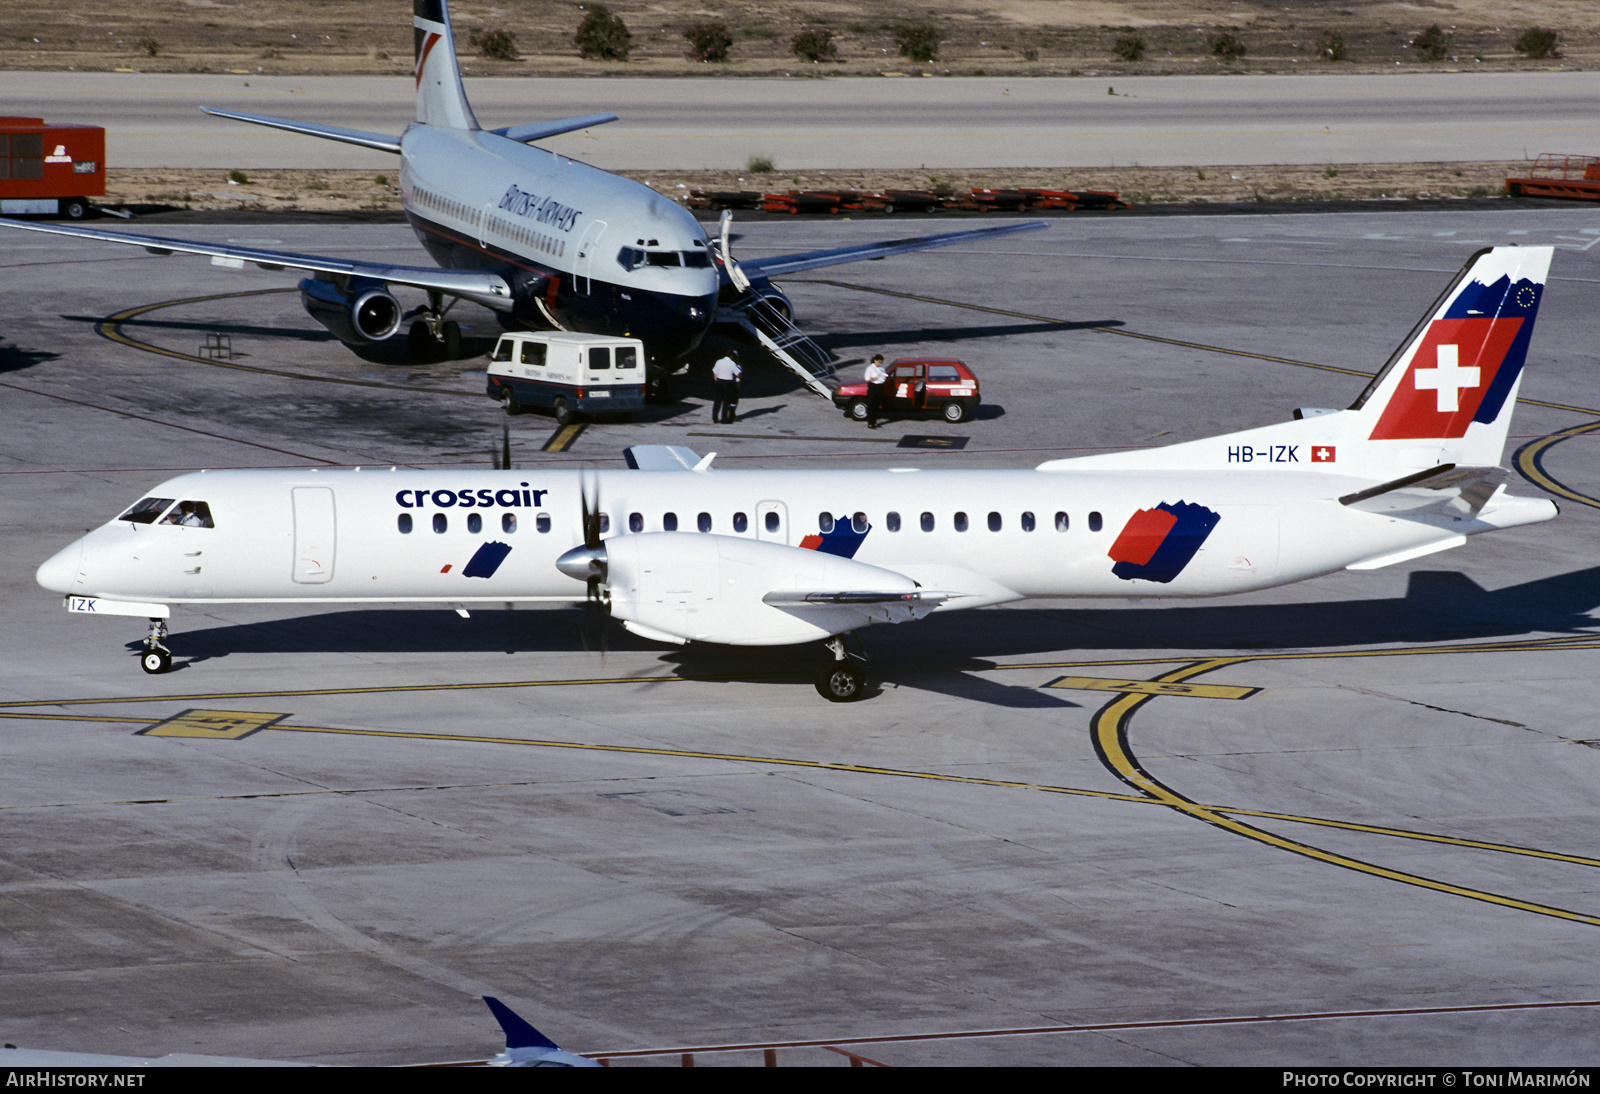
[544,241]
[679,552]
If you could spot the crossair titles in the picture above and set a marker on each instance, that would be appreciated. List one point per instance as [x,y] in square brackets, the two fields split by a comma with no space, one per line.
[548,211]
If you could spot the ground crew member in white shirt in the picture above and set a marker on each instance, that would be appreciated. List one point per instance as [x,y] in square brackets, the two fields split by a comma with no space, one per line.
[876,376]
[726,372]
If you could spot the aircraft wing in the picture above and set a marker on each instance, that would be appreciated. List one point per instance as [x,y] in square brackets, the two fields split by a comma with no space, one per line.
[871,606]
[475,283]
[380,141]
[863,252]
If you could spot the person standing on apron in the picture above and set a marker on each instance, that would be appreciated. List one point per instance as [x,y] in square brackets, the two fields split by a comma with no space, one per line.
[876,376]
[726,373]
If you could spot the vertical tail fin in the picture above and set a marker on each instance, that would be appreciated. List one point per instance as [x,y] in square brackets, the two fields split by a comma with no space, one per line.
[1446,394]
[441,100]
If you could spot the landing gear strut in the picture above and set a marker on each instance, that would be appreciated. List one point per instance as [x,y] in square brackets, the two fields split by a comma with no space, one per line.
[843,679]
[432,337]
[156,658]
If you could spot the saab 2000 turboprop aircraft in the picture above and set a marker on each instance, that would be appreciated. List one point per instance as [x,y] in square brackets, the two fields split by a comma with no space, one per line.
[544,241]
[681,553]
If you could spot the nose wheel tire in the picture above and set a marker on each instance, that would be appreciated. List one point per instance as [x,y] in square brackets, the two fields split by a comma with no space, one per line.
[841,682]
[155,661]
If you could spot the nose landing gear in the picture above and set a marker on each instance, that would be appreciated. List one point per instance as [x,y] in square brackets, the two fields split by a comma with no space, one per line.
[156,658]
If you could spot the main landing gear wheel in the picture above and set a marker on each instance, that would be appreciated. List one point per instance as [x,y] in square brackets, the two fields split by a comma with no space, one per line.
[841,681]
[858,409]
[452,340]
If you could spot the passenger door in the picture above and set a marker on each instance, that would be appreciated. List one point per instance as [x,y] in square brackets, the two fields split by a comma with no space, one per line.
[588,243]
[314,532]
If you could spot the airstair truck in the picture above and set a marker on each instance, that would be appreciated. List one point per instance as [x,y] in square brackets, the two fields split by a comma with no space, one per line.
[50,170]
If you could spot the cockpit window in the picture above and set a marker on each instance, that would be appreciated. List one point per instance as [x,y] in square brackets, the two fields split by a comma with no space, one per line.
[697,259]
[662,258]
[631,258]
[190,514]
[147,510]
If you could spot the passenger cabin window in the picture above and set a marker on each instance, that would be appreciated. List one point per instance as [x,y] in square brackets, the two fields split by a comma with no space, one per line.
[891,521]
[541,522]
[1027,522]
[605,523]
[772,521]
[533,353]
[994,522]
[627,357]
[474,523]
[1094,522]
[440,524]
[703,522]
[825,522]
[599,357]
[190,514]
[502,352]
[858,523]
[943,374]
[960,522]
[635,522]
[508,522]
[405,524]
[146,511]
[1061,522]
[741,523]
[927,522]
[669,522]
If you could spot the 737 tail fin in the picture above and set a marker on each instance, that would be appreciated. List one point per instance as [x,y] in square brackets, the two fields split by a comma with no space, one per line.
[441,100]
[1450,387]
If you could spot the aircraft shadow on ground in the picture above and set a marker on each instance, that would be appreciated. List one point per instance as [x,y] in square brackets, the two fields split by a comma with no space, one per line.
[911,336]
[15,358]
[1439,606]
[200,328]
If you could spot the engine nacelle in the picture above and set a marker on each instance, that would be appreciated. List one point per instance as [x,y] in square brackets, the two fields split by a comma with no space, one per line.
[709,588]
[361,311]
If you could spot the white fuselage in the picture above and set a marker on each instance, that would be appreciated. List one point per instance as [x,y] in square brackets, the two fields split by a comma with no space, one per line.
[1272,530]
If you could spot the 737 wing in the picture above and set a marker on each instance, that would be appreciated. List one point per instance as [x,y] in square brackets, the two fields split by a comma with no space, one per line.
[484,286]
[779,265]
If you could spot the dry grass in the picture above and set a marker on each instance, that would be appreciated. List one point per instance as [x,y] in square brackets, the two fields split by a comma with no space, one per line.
[995,36]
[358,190]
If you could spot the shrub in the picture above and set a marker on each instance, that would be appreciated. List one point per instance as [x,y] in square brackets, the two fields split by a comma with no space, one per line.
[1331,46]
[1226,44]
[917,41]
[814,44]
[1130,47]
[1030,55]
[708,41]
[603,36]
[148,45]
[758,165]
[1433,44]
[239,177]
[1539,42]
[497,45]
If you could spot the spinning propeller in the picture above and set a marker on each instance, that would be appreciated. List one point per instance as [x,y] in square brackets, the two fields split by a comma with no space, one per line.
[588,563]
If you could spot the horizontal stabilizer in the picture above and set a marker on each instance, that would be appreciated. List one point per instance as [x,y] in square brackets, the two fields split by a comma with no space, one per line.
[661,457]
[380,141]
[1446,491]
[539,130]
[838,256]
[485,285]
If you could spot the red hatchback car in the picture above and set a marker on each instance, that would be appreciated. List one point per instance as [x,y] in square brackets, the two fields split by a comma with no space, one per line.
[916,384]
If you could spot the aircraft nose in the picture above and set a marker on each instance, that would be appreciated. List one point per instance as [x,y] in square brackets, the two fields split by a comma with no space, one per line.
[60,571]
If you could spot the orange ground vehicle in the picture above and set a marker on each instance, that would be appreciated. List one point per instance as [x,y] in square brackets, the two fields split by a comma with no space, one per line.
[50,170]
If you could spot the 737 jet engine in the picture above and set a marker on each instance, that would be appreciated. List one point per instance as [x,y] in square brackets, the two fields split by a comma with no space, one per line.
[357,310]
